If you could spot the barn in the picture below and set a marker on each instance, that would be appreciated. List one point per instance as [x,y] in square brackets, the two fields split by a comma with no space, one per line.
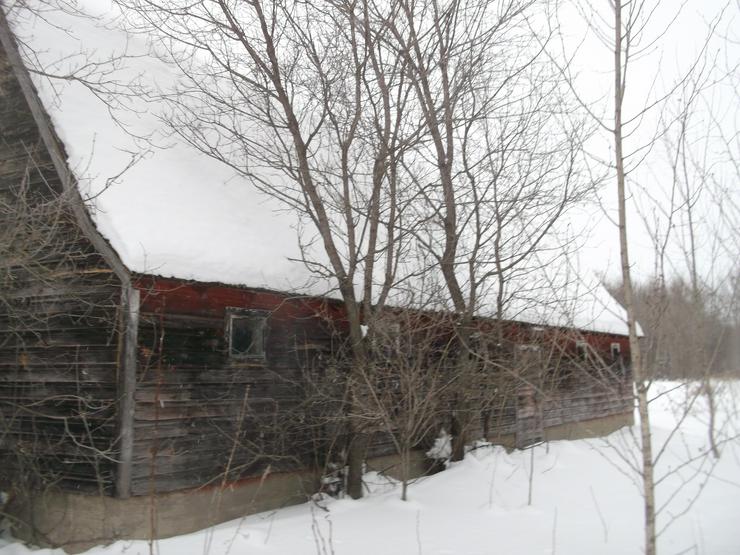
[151,380]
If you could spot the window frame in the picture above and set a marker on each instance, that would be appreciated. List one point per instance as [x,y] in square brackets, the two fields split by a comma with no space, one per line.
[257,316]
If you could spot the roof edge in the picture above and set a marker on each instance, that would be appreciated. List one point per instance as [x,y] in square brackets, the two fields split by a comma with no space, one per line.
[139,279]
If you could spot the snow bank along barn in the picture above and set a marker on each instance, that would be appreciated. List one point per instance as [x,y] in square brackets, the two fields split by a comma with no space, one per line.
[152,350]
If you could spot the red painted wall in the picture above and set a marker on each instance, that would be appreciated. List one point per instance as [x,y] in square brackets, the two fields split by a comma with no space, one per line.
[181,297]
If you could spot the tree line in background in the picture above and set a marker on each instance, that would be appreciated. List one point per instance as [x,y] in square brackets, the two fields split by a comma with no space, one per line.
[687,336]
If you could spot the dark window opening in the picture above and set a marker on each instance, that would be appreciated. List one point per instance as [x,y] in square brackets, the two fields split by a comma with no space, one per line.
[616,350]
[582,351]
[246,335]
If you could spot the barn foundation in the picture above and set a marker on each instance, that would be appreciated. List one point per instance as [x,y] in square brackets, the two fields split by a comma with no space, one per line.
[77,522]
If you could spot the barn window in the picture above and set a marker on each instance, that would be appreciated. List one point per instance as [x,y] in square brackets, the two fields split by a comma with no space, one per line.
[537,334]
[616,350]
[528,356]
[245,331]
[582,350]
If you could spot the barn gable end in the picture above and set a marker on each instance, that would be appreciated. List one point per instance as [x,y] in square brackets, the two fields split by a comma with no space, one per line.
[63,301]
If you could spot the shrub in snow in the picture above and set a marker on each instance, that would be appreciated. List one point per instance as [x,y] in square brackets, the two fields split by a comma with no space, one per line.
[442,448]
[332,483]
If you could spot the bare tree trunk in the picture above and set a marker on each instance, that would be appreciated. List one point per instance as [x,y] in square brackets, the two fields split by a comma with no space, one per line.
[355,461]
[405,463]
[458,437]
[641,384]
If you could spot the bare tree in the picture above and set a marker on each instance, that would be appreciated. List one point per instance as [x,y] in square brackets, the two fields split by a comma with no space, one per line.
[306,102]
[636,124]
[409,379]
[500,166]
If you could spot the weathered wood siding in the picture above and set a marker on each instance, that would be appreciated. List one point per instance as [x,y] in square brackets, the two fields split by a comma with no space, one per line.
[204,417]
[585,389]
[568,388]
[58,320]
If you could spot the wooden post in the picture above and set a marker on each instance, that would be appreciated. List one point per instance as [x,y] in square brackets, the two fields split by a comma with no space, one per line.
[127,389]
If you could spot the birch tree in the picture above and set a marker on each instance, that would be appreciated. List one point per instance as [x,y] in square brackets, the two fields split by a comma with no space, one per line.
[636,123]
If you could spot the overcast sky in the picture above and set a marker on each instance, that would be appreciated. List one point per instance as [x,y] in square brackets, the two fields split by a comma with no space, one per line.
[656,71]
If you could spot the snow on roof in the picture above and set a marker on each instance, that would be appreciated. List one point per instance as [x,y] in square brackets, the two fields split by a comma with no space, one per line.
[175,212]
[569,297]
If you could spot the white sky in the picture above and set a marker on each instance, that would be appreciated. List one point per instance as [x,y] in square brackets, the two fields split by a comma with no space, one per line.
[649,77]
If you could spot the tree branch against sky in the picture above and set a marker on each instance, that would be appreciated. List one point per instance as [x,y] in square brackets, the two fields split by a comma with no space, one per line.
[651,104]
[501,164]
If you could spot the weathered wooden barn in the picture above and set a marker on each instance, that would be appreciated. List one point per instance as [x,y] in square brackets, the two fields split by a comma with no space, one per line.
[132,393]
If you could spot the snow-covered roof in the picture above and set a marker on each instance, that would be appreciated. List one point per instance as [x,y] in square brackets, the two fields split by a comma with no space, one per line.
[169,210]
[173,212]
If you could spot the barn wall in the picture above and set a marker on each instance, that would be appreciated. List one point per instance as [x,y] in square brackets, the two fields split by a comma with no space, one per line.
[78,522]
[561,387]
[58,320]
[599,386]
[202,417]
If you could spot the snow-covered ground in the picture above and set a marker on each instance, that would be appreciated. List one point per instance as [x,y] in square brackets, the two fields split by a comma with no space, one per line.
[584,500]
